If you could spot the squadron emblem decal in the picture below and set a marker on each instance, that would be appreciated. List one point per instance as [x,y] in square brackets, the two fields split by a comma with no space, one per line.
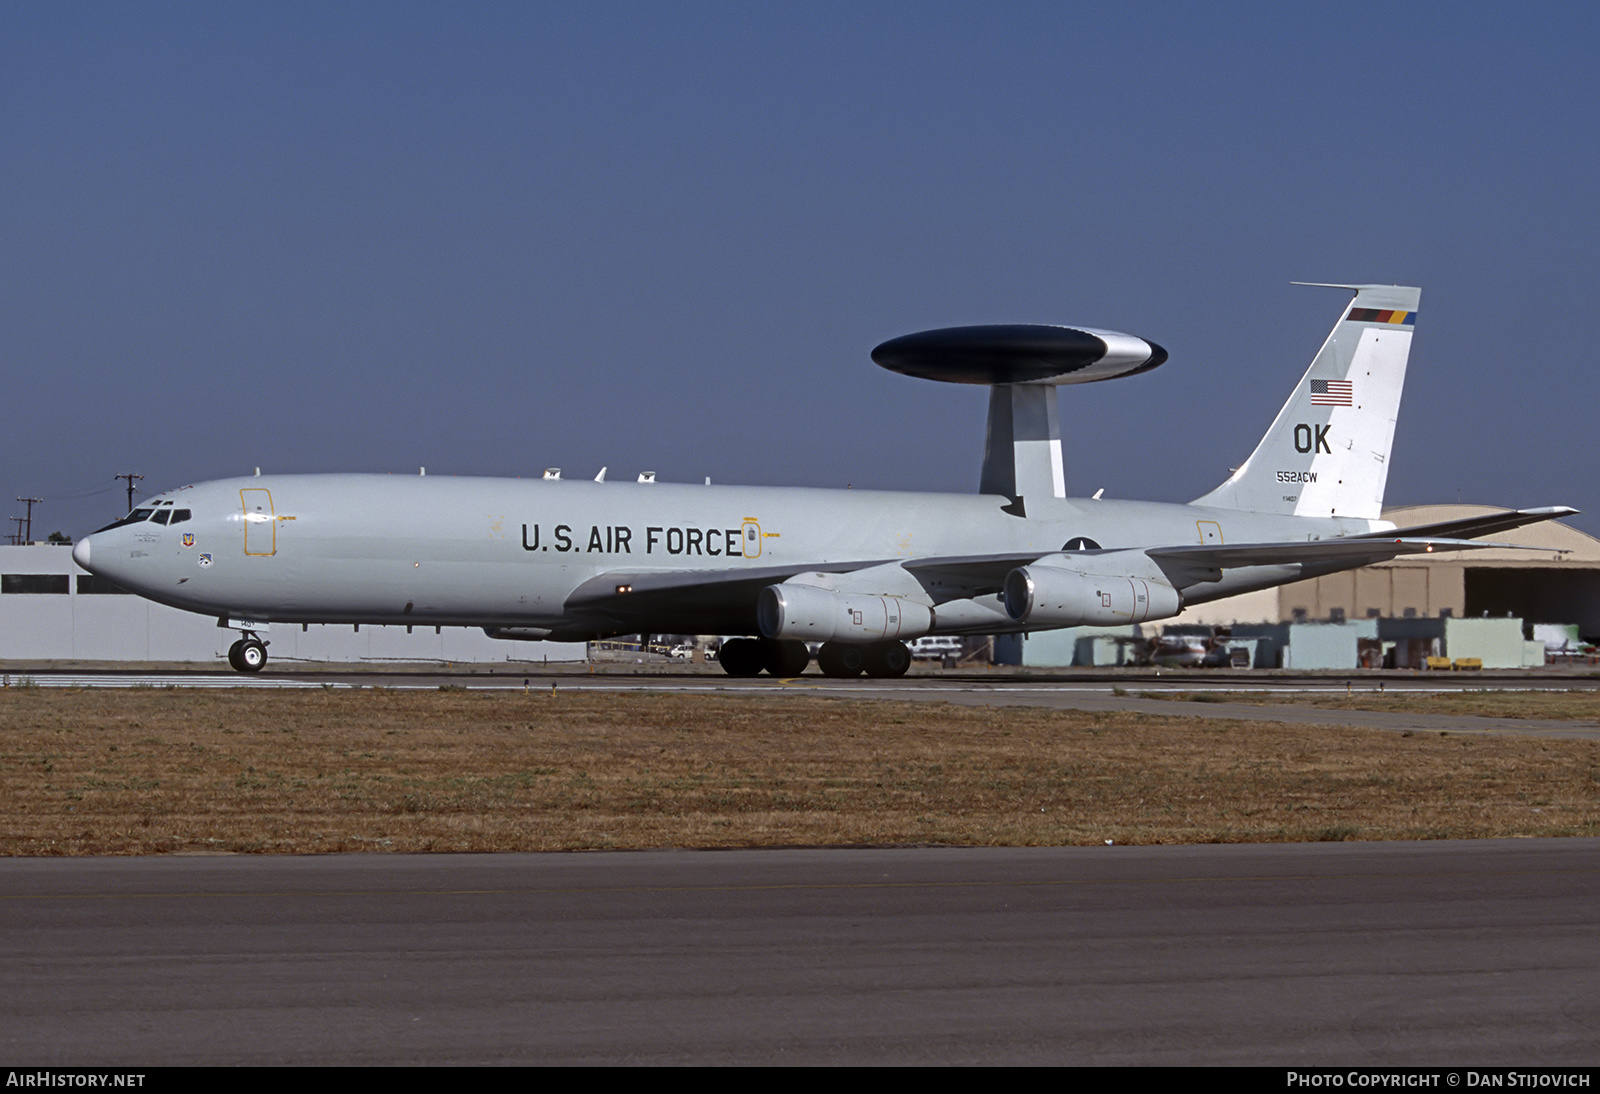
[205,558]
[188,539]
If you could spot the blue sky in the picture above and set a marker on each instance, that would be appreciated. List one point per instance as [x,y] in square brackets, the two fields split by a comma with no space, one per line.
[491,239]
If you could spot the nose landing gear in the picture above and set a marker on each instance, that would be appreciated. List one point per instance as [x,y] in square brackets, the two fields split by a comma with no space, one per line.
[249,654]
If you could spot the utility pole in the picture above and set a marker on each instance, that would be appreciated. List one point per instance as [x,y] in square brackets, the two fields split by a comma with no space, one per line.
[27,536]
[16,537]
[130,479]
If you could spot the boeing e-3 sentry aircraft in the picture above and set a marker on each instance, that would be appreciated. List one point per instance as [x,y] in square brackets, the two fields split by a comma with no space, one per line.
[858,571]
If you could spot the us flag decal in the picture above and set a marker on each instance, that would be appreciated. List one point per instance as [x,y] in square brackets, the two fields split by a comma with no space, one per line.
[1333,392]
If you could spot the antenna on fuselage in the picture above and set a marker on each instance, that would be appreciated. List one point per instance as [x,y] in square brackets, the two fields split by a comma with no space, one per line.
[1022,366]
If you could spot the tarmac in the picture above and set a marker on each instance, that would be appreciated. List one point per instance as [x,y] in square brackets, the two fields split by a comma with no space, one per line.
[1446,954]
[1147,692]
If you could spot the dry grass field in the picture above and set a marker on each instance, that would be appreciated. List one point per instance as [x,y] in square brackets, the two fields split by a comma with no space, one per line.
[1573,706]
[140,771]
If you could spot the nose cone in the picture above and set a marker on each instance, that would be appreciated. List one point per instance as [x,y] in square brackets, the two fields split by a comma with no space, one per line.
[80,554]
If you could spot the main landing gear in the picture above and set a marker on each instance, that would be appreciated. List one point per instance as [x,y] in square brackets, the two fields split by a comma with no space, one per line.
[753,656]
[789,657]
[249,654]
[880,659]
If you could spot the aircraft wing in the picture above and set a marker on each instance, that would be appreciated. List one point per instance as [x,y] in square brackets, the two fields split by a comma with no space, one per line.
[1468,527]
[1192,564]
[956,577]
[624,599]
[622,594]
[713,601]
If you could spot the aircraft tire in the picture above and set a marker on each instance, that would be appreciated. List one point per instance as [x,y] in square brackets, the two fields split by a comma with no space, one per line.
[741,657]
[888,659]
[252,655]
[233,656]
[784,656]
[841,659]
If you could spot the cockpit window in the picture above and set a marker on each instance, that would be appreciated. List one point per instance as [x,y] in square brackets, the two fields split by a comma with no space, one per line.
[132,518]
[179,516]
[162,516]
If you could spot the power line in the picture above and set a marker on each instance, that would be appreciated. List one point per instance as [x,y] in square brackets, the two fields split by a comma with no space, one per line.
[81,494]
[27,536]
[130,478]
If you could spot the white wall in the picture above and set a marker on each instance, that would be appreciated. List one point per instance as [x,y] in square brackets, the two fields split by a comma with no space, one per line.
[111,627]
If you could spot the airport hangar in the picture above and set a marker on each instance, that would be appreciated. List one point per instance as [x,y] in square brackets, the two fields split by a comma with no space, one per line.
[50,610]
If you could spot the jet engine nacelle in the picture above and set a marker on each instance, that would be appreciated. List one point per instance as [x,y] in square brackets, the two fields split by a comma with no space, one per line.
[1054,595]
[820,615]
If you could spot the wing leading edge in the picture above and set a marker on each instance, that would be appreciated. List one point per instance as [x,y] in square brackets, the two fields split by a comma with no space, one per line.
[1194,564]
[1469,527]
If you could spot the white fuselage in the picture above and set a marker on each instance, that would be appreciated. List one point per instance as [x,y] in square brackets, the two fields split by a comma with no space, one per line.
[510,553]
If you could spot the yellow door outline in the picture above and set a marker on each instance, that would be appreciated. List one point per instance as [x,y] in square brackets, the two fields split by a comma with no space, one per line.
[750,538]
[260,527]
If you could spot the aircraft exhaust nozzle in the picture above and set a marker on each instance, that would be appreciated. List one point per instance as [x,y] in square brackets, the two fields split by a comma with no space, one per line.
[819,615]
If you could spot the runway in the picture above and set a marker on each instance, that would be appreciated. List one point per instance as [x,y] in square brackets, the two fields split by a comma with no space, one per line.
[626,678]
[1140,693]
[1445,953]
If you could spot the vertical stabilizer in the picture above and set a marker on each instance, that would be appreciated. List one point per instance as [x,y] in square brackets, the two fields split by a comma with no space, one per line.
[1327,453]
[1022,444]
